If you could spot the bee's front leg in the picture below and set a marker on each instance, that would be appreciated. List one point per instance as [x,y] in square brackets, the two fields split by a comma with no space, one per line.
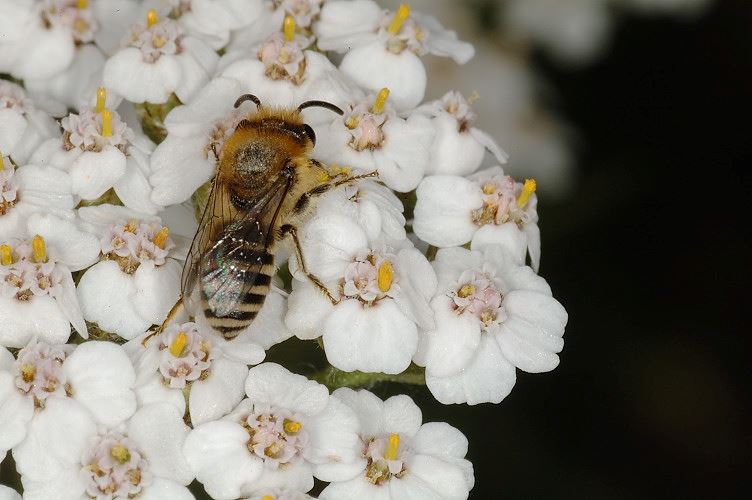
[293,232]
[170,316]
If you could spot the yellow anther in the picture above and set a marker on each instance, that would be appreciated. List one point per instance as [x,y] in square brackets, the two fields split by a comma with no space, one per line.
[28,372]
[151,18]
[161,238]
[527,191]
[82,4]
[131,227]
[393,447]
[403,12]
[6,255]
[489,188]
[120,453]
[106,123]
[101,98]
[381,97]
[267,497]
[291,426]
[466,291]
[385,276]
[177,346]
[288,28]
[352,122]
[38,249]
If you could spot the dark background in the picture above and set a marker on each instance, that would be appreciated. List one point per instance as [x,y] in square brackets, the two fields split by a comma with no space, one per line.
[650,256]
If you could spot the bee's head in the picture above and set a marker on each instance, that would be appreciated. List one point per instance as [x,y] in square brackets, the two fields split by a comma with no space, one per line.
[289,121]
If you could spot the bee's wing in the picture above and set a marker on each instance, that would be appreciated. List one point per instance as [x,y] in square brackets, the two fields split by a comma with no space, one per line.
[223,269]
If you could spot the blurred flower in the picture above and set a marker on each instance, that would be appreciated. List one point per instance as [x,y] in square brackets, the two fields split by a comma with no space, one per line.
[22,126]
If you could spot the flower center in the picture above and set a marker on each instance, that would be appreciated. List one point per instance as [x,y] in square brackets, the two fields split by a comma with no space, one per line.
[27,272]
[74,15]
[155,38]
[459,107]
[503,201]
[402,32]
[136,243]
[275,435]
[303,11]
[282,54]
[386,458]
[477,294]
[370,277]
[184,356]
[91,130]
[113,468]
[365,122]
[8,186]
[38,372]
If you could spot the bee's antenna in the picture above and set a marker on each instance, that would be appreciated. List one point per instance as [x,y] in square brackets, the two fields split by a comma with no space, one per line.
[247,97]
[321,104]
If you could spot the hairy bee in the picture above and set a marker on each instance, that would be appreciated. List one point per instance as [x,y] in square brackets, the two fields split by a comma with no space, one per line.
[263,188]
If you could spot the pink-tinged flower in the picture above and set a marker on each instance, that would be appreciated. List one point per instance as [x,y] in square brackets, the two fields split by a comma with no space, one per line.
[23,127]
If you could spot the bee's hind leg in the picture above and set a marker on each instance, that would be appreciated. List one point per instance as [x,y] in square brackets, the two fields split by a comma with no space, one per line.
[293,232]
[170,316]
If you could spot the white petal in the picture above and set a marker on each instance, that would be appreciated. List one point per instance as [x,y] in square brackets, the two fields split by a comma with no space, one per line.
[443,210]
[453,342]
[67,485]
[443,477]
[40,317]
[46,53]
[488,378]
[296,476]
[7,493]
[46,187]
[159,431]
[329,243]
[369,339]
[355,488]
[531,336]
[335,441]
[12,126]
[16,411]
[68,304]
[343,24]
[93,173]
[440,439]
[153,390]
[165,489]
[102,378]
[180,166]
[217,454]
[400,414]
[307,309]
[157,290]
[273,384]
[451,262]
[138,81]
[6,359]
[507,236]
[411,486]
[268,328]
[404,156]
[417,284]
[134,190]
[218,394]
[367,407]
[57,437]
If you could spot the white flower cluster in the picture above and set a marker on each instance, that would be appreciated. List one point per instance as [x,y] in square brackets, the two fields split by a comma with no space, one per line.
[112,121]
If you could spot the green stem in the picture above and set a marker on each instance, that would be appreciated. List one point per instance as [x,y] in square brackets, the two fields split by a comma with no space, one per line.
[334,378]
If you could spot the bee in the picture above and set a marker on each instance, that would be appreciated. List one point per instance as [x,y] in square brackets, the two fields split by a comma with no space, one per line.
[265,186]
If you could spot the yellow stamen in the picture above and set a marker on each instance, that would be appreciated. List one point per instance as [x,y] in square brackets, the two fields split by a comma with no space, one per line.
[267,497]
[38,249]
[378,104]
[288,27]
[6,255]
[385,276]
[527,191]
[161,238]
[466,291]
[101,98]
[82,4]
[151,18]
[106,123]
[28,372]
[131,227]
[393,447]
[489,188]
[403,12]
[120,453]
[177,346]
[291,426]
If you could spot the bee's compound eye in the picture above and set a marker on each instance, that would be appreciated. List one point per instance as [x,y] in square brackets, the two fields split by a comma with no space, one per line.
[310,133]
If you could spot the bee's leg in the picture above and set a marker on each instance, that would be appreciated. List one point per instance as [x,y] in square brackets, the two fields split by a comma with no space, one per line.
[304,201]
[293,232]
[349,179]
[170,316]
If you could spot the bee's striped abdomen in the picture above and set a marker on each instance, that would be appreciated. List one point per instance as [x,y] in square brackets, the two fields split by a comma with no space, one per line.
[249,273]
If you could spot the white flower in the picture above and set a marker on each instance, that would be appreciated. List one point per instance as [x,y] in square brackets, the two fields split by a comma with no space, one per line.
[303,12]
[156,61]
[96,375]
[487,208]
[67,456]
[370,136]
[458,147]
[382,296]
[492,315]
[213,21]
[402,457]
[383,48]
[37,296]
[288,430]
[100,152]
[181,364]
[22,126]
[138,281]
